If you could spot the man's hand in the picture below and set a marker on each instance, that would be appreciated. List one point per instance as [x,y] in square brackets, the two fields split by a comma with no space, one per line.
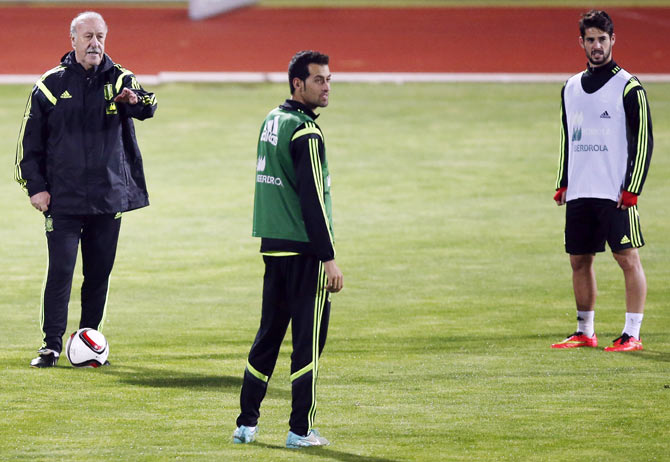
[559,197]
[626,200]
[41,201]
[334,275]
[126,96]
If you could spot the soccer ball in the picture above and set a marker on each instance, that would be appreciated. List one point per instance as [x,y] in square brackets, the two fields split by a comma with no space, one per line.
[87,348]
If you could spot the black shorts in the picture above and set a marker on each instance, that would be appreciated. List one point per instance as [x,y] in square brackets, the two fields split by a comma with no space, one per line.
[591,222]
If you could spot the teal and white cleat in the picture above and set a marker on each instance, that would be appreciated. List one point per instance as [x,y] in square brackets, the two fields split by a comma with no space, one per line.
[244,434]
[313,438]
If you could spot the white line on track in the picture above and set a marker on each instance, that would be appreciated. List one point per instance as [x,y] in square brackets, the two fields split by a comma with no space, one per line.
[353,77]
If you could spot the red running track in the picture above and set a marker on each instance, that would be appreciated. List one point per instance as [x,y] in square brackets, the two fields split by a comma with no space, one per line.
[150,40]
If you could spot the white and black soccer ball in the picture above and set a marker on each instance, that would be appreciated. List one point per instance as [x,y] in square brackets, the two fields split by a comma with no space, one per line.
[87,348]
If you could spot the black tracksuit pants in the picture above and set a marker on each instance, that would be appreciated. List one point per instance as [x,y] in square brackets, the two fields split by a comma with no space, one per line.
[99,235]
[293,290]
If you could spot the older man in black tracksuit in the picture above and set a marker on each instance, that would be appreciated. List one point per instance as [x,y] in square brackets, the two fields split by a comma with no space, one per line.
[78,160]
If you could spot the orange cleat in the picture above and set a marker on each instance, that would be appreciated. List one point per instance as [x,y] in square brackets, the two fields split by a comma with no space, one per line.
[625,343]
[577,340]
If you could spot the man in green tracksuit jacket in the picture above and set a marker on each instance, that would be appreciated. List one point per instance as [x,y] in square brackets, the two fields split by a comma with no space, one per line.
[293,218]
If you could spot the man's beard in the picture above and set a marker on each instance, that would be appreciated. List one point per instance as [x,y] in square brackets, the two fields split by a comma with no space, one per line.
[605,58]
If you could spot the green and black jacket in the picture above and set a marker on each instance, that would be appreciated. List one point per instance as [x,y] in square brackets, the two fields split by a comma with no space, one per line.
[292,203]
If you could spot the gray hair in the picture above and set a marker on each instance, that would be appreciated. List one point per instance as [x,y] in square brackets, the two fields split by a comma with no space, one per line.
[83,16]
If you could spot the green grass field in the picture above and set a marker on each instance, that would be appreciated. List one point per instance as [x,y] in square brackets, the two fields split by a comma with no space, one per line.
[455,285]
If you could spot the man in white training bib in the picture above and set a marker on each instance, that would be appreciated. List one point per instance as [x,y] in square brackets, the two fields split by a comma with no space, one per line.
[606,146]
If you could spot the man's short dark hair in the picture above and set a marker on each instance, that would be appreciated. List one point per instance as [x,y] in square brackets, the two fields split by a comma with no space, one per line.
[598,19]
[298,67]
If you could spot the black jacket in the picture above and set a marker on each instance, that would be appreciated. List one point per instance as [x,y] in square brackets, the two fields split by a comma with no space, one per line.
[79,145]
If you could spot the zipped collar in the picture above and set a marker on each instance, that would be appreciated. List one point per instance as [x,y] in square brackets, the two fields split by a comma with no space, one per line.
[602,69]
[593,79]
[293,105]
[70,61]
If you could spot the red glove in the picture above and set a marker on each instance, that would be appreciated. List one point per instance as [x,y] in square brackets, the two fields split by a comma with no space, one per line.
[559,193]
[628,199]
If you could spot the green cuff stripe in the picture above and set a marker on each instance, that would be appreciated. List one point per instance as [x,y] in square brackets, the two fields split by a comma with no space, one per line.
[308,130]
[148,100]
[257,374]
[302,371]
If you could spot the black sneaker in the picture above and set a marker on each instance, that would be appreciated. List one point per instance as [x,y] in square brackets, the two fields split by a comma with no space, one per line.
[46,358]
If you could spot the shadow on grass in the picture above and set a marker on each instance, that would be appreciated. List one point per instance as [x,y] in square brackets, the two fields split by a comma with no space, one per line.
[327,453]
[466,344]
[653,355]
[443,343]
[160,378]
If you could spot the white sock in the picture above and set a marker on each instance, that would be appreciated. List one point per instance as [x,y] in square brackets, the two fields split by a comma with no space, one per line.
[633,323]
[585,322]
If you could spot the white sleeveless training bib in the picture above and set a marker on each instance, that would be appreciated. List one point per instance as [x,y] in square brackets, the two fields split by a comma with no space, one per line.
[598,150]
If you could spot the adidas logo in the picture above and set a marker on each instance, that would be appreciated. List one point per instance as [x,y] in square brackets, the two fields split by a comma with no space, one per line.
[271,131]
[65,95]
[260,166]
[605,115]
[624,240]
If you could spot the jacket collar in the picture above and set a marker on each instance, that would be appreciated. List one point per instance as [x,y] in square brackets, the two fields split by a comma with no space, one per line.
[602,69]
[68,60]
[293,105]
